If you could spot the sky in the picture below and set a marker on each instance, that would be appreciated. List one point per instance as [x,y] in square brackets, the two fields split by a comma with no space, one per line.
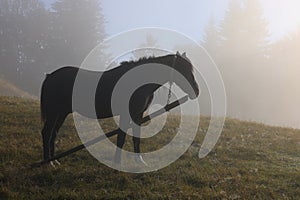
[283,16]
[192,16]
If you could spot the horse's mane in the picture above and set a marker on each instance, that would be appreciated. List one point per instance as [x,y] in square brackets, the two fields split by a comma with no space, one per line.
[145,59]
[139,61]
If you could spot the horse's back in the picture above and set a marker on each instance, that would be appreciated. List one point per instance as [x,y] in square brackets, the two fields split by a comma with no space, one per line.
[63,71]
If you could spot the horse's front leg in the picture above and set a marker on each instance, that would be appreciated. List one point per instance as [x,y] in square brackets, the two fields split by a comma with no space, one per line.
[124,125]
[120,142]
[136,130]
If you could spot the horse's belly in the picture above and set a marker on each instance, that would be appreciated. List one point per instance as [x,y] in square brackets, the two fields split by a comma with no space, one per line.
[95,112]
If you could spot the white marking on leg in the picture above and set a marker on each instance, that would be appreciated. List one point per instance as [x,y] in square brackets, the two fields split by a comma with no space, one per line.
[139,159]
[52,164]
[57,162]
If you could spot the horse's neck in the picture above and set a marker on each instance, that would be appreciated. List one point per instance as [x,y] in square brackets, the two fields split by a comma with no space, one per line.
[166,76]
[165,60]
[168,61]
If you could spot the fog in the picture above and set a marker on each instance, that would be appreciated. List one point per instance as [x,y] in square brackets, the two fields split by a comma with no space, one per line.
[260,73]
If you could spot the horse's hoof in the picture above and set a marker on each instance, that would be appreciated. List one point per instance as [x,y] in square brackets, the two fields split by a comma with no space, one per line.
[54,163]
[57,162]
[140,159]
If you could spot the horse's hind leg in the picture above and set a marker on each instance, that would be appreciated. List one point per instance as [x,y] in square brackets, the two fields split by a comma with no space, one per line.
[58,123]
[47,132]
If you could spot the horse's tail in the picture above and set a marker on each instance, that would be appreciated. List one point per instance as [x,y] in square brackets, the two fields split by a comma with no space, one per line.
[42,101]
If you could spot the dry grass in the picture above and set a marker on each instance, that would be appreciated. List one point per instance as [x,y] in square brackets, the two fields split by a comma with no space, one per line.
[250,161]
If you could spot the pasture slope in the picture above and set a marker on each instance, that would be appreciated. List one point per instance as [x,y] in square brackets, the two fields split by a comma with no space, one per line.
[9,89]
[250,161]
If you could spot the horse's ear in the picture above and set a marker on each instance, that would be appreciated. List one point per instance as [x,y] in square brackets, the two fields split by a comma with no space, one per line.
[184,54]
[177,53]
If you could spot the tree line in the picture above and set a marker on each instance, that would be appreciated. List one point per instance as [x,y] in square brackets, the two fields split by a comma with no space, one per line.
[35,39]
[260,75]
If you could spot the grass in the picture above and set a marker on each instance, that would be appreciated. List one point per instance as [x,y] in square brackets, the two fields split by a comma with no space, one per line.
[250,161]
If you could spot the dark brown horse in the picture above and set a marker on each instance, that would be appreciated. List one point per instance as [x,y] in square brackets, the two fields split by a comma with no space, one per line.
[57,94]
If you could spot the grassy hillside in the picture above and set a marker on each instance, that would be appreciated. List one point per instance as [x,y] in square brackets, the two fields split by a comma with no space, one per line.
[250,161]
[9,89]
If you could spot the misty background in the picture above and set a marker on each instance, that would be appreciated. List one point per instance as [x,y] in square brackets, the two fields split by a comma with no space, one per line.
[255,46]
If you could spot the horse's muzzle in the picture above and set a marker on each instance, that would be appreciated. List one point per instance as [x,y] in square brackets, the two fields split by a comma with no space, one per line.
[195,93]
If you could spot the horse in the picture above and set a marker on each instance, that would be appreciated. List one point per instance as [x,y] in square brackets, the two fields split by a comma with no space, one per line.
[57,91]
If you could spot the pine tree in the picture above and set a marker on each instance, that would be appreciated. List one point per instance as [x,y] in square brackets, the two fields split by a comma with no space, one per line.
[229,29]
[77,27]
[211,39]
[285,57]
[148,48]
[244,31]
[35,40]
[22,28]
[255,28]
[244,56]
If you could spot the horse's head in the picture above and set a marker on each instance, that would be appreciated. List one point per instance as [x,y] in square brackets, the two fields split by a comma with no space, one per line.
[184,66]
